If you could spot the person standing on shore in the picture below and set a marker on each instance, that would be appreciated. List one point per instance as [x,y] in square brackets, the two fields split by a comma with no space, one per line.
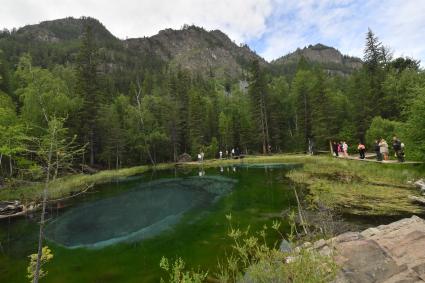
[335,148]
[345,148]
[378,151]
[361,148]
[398,149]
[384,149]
[340,148]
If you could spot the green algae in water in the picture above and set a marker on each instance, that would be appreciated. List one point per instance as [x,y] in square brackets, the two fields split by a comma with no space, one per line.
[288,166]
[140,213]
[199,236]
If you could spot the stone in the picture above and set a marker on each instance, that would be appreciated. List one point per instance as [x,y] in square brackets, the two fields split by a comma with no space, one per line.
[184,157]
[369,232]
[319,244]
[285,246]
[384,254]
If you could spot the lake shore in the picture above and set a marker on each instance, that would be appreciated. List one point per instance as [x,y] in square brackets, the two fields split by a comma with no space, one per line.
[347,186]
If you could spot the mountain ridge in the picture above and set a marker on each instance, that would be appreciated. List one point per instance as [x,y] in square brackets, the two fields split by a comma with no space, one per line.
[193,48]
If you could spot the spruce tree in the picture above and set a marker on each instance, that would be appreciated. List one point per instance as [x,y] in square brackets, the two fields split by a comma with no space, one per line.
[258,95]
[88,90]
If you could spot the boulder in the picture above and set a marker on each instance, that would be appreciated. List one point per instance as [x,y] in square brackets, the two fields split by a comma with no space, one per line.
[184,157]
[387,253]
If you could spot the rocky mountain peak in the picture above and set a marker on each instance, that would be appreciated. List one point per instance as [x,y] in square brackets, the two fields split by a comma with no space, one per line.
[329,58]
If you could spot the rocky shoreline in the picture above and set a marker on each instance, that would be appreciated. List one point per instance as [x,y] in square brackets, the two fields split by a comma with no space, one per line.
[387,253]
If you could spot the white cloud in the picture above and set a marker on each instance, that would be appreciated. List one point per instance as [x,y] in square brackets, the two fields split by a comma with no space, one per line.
[241,19]
[343,24]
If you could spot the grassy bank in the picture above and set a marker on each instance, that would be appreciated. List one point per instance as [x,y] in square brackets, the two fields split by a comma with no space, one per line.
[72,184]
[360,188]
[348,186]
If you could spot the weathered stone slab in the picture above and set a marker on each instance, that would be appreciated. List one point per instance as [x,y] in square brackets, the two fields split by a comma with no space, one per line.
[387,253]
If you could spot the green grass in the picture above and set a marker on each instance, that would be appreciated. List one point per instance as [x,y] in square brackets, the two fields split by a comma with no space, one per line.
[360,188]
[72,184]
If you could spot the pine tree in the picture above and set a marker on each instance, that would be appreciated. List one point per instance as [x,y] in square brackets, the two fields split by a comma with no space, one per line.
[88,90]
[258,94]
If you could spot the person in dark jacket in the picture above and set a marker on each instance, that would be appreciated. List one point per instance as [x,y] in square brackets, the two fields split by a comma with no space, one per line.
[335,148]
[398,149]
[362,150]
[378,150]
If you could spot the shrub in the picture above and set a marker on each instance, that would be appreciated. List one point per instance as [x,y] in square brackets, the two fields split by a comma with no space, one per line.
[383,128]
[253,260]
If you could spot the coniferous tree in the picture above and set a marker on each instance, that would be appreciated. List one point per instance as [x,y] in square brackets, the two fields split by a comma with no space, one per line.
[258,95]
[88,90]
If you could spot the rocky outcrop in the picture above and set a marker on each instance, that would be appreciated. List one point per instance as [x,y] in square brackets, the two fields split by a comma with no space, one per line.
[329,58]
[420,184]
[388,253]
[198,50]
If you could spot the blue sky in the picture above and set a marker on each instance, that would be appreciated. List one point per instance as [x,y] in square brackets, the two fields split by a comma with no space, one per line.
[270,27]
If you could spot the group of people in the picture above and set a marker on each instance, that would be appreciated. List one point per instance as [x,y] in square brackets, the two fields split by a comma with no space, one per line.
[233,153]
[381,148]
[340,149]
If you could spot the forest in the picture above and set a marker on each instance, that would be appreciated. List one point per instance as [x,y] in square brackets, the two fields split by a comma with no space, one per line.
[156,112]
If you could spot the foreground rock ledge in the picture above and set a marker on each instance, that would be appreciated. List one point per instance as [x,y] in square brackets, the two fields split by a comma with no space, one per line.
[388,253]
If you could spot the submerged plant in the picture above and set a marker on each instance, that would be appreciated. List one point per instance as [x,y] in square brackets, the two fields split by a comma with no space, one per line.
[253,259]
[177,273]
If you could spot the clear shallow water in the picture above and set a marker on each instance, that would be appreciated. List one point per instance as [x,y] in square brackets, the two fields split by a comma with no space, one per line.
[142,212]
[120,232]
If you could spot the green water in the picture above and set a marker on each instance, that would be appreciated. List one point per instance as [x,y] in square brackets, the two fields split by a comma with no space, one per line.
[172,213]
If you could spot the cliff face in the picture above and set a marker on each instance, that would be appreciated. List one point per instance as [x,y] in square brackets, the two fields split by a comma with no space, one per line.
[198,50]
[328,57]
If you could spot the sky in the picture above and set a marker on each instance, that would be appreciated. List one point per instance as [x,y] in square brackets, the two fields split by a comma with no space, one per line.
[272,28]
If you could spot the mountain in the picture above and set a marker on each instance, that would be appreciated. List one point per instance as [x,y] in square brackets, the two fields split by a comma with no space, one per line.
[329,58]
[197,50]
[208,53]
[62,30]
[193,48]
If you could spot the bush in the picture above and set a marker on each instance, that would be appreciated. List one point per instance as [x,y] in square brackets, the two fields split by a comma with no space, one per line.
[253,260]
[383,128]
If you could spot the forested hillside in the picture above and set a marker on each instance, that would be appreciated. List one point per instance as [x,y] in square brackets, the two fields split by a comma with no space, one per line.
[138,101]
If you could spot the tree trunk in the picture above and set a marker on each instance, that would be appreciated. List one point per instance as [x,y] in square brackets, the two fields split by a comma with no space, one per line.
[43,212]
[10,166]
[117,158]
[91,148]
[138,93]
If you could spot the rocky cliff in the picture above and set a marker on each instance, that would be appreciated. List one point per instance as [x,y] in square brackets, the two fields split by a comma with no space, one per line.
[327,57]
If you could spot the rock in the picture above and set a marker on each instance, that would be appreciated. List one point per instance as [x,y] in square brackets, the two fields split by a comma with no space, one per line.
[387,253]
[184,157]
[346,237]
[420,200]
[326,251]
[285,246]
[369,232]
[421,185]
[319,244]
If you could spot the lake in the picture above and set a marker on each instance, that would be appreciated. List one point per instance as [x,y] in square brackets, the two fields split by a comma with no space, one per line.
[119,231]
